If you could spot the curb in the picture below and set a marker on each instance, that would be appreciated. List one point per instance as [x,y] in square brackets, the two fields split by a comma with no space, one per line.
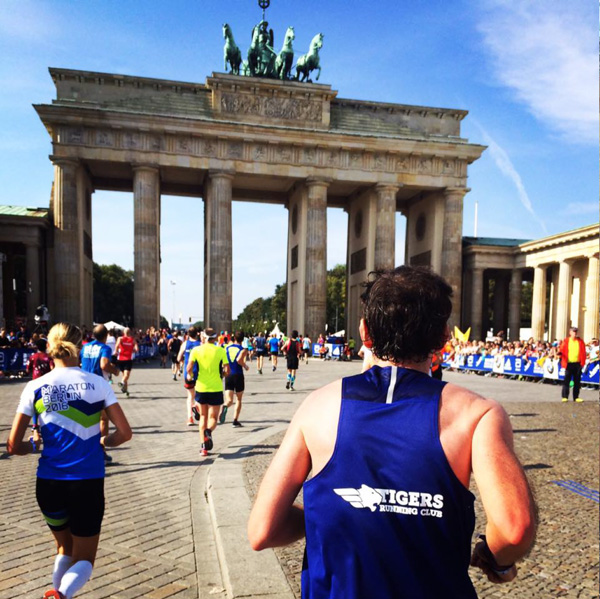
[242,572]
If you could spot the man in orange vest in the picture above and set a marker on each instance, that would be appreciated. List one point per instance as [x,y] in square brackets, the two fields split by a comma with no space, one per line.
[572,359]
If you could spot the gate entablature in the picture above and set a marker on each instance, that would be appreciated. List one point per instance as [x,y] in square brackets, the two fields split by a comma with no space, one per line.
[257,130]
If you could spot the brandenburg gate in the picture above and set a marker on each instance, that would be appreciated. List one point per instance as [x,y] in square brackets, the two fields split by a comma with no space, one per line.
[252,139]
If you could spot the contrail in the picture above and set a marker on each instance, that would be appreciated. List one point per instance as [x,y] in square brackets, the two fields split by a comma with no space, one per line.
[504,163]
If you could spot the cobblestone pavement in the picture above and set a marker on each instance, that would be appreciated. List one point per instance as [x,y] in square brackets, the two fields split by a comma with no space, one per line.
[554,441]
[158,539]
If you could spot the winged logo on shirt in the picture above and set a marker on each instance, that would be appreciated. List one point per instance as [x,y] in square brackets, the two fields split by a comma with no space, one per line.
[360,498]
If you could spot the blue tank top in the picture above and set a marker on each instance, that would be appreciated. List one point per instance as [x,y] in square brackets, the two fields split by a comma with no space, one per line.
[232,356]
[387,517]
[190,344]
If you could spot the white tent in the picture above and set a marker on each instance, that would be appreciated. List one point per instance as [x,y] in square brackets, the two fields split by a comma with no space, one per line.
[111,324]
[276,330]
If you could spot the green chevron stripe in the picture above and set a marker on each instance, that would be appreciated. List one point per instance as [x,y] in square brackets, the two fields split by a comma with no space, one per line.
[39,406]
[81,418]
[56,521]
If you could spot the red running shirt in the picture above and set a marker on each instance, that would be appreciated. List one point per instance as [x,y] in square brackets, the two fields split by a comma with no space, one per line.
[126,348]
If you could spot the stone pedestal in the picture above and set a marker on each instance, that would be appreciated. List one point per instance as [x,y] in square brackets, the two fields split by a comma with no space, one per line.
[563,301]
[451,268]
[538,304]
[146,253]
[68,251]
[217,251]
[514,304]
[591,300]
[476,304]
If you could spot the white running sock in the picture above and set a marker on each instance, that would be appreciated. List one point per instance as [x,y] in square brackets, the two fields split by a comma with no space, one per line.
[75,577]
[61,564]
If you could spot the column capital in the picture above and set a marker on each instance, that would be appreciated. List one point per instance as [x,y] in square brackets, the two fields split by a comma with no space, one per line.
[215,173]
[388,186]
[318,181]
[140,167]
[64,161]
[462,191]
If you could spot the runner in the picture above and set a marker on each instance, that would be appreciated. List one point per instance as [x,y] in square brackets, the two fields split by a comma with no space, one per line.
[70,474]
[234,382]
[306,347]
[40,363]
[211,361]
[261,351]
[274,350]
[174,347]
[111,341]
[189,382]
[96,357]
[163,349]
[125,348]
[292,349]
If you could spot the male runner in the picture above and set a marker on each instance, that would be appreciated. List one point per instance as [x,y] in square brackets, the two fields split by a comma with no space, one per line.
[292,350]
[174,347]
[189,383]
[125,348]
[274,350]
[96,358]
[391,514]
[261,351]
[234,382]
[211,362]
[306,347]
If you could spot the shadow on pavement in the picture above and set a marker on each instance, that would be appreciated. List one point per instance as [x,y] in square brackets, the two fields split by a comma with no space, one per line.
[534,430]
[537,466]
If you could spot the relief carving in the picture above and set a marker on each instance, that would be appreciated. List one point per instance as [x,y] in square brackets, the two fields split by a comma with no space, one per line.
[379,161]
[332,158]
[403,164]
[259,152]
[131,141]
[183,144]
[75,136]
[309,155]
[105,138]
[424,165]
[290,109]
[155,142]
[235,150]
[448,167]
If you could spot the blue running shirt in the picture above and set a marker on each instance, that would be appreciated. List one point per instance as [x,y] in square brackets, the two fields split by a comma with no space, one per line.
[387,518]
[68,402]
[190,344]
[91,354]
[233,353]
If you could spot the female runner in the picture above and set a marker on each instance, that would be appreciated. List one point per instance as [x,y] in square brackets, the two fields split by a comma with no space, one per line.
[67,403]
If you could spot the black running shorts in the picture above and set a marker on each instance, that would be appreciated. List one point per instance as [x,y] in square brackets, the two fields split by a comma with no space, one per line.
[235,382]
[211,398]
[261,352]
[74,504]
[292,363]
[125,365]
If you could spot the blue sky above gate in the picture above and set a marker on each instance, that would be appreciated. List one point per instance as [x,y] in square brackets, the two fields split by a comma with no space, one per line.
[526,71]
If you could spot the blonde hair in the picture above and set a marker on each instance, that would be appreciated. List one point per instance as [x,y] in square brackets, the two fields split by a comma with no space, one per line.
[64,341]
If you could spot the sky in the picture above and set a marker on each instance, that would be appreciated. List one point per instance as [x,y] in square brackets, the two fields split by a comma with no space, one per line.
[527,72]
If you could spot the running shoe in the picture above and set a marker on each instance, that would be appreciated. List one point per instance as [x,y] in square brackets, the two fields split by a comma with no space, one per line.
[190,422]
[260,371]
[274,368]
[292,388]
[120,385]
[287,385]
[174,377]
[53,594]
[565,399]
[223,415]
[237,423]
[203,451]
[579,400]
[107,458]
[208,442]
[196,412]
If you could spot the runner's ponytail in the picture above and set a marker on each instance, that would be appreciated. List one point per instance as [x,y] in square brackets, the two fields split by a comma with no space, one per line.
[64,341]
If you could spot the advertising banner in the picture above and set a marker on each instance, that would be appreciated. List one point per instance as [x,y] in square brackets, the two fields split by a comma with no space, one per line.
[14,360]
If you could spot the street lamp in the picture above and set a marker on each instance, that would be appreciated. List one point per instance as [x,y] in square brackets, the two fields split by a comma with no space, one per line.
[173,283]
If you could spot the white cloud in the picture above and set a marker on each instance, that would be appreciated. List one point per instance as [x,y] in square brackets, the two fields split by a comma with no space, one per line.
[547,53]
[581,208]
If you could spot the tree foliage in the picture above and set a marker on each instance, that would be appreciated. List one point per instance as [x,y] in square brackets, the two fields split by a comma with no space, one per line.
[113,294]
[262,313]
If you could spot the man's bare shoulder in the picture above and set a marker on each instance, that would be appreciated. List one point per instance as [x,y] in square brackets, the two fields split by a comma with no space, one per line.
[320,402]
[459,403]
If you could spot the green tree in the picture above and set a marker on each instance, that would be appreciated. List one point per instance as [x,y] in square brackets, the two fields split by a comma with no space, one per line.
[526,302]
[113,294]
[336,298]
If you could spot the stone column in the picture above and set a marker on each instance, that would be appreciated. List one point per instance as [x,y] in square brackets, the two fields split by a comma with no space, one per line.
[68,250]
[591,299]
[514,304]
[316,257]
[500,301]
[538,303]
[476,304]
[146,252]
[218,248]
[32,266]
[385,226]
[563,303]
[452,248]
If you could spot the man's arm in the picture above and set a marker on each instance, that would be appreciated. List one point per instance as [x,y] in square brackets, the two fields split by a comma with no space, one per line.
[505,494]
[275,520]
[106,366]
[182,351]
[242,359]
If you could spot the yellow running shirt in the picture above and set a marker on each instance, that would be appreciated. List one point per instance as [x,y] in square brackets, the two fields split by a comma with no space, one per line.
[209,357]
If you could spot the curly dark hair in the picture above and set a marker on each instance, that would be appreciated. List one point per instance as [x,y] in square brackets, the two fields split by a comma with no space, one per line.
[406,311]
